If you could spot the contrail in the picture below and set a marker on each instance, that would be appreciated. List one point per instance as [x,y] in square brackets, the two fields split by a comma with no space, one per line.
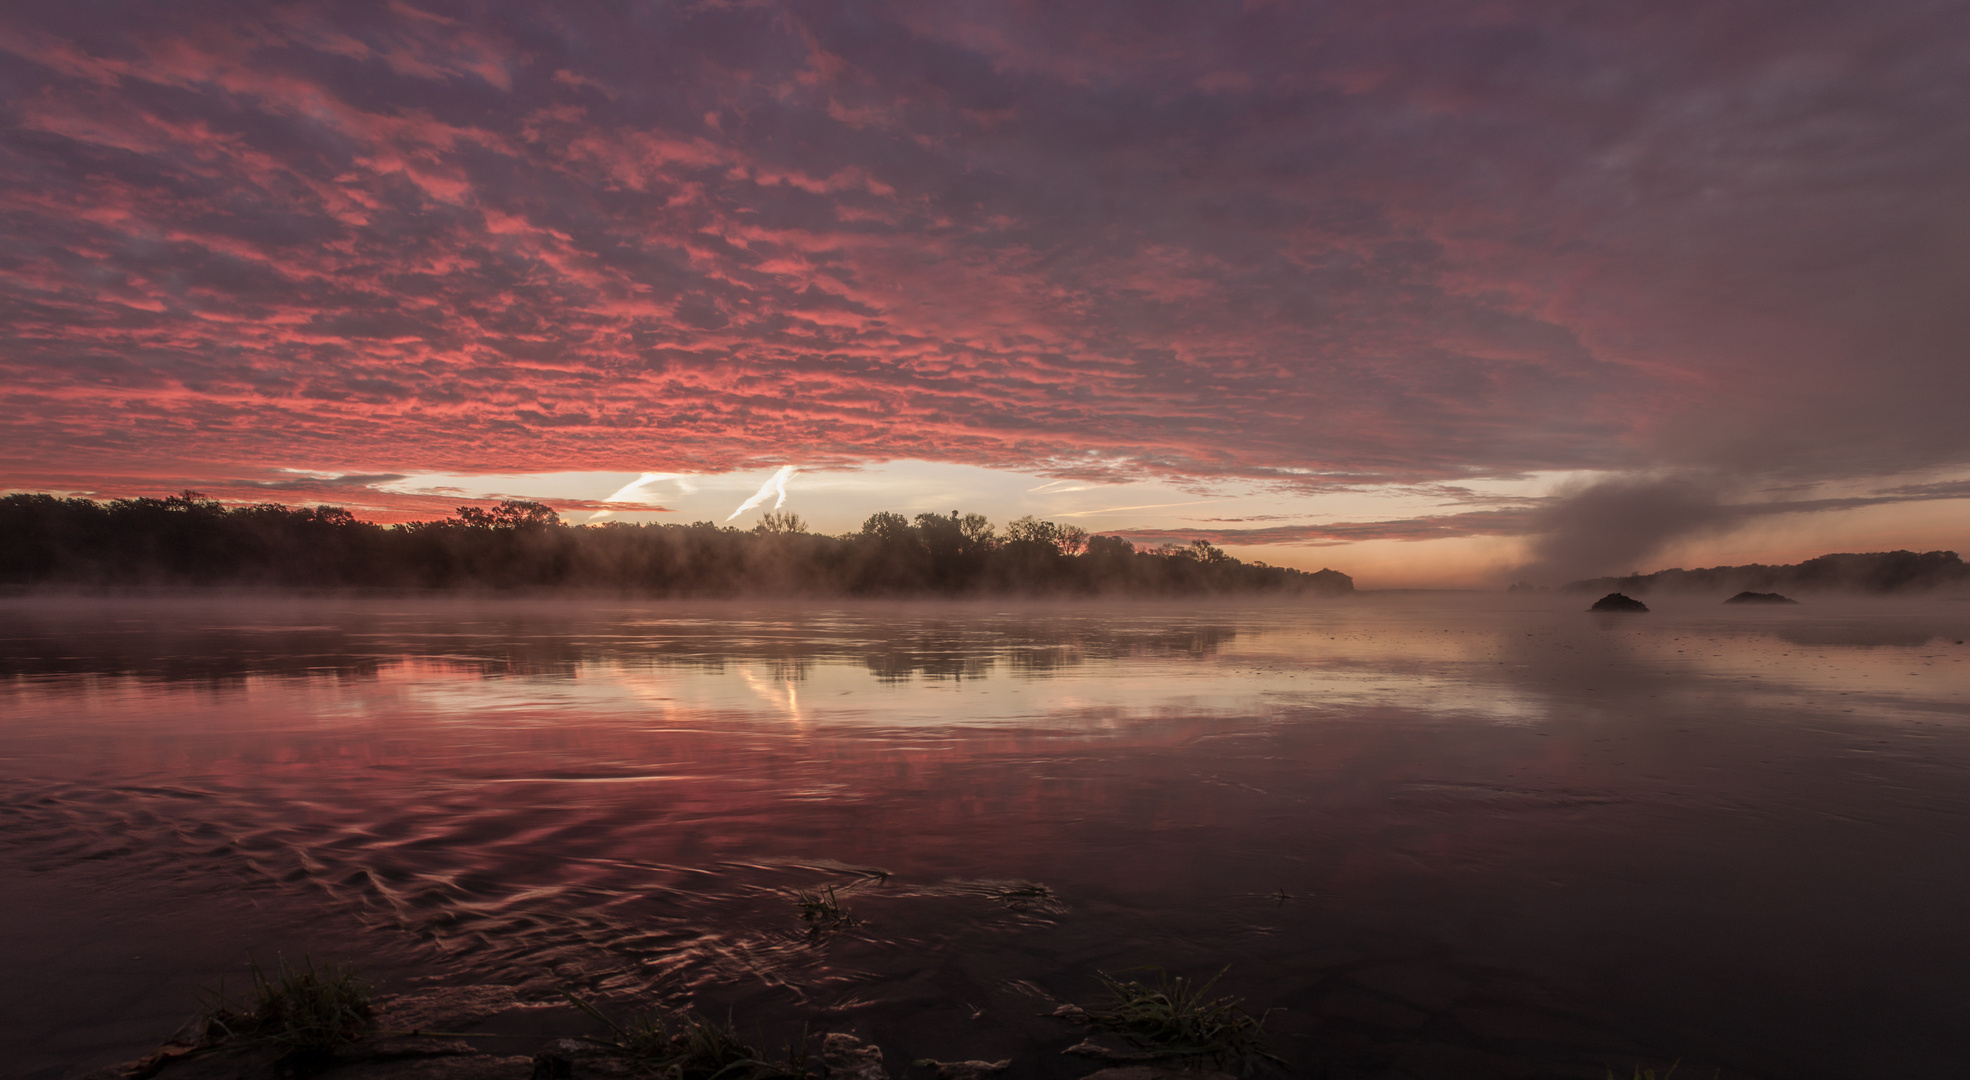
[645,480]
[632,488]
[774,485]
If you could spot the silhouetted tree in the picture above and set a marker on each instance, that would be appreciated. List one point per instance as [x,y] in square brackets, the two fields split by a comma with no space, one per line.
[509,514]
[1873,572]
[775,522]
[190,539]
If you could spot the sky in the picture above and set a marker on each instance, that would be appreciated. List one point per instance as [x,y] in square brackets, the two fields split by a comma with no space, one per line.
[1431,293]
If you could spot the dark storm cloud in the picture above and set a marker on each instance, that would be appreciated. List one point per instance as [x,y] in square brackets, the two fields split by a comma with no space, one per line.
[1405,242]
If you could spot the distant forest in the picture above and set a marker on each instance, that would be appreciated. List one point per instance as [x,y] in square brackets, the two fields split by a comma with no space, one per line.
[191,540]
[1874,572]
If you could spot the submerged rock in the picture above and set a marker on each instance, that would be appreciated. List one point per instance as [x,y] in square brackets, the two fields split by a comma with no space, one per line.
[1615,601]
[1760,598]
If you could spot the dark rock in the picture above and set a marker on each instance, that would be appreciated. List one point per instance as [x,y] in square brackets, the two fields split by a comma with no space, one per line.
[848,1058]
[965,1070]
[1615,601]
[549,1066]
[1760,598]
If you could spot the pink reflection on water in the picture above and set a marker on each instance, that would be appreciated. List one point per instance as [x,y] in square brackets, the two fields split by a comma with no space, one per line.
[1644,826]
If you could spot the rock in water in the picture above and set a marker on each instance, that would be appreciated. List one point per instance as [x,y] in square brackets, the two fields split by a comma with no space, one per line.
[847,1058]
[1615,601]
[966,1070]
[1760,598]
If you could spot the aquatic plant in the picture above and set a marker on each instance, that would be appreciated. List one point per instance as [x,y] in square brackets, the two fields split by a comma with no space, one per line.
[303,1010]
[1175,1017]
[695,1048]
[822,910]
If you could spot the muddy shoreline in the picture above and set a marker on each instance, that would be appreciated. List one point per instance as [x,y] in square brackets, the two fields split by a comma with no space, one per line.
[493,1033]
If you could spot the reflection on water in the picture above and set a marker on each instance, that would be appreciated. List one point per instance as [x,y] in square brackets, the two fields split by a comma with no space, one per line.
[1446,834]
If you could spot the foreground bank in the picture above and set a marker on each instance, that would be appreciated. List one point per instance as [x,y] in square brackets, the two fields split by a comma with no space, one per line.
[332,1029]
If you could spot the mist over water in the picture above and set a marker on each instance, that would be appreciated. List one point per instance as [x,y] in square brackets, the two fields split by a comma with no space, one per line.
[1611,526]
[1425,825]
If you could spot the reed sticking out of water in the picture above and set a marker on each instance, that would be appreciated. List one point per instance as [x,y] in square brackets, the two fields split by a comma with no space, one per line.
[697,1048]
[1177,1018]
[302,1010]
[821,910]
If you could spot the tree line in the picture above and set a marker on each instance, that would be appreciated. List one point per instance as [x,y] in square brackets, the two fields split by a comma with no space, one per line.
[191,540]
[1868,572]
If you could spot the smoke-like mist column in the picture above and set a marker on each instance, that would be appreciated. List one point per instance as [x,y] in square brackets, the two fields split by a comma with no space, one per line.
[1608,527]
[774,485]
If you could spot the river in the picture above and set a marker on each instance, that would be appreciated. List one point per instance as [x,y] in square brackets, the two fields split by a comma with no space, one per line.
[1436,833]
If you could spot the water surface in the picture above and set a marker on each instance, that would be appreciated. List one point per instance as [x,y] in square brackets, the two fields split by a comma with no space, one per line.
[1445,835]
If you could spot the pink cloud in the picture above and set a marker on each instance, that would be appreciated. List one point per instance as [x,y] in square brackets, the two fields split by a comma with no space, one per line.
[1211,243]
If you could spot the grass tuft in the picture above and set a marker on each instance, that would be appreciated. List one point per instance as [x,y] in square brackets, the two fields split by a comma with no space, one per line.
[1175,1017]
[303,1010]
[693,1047]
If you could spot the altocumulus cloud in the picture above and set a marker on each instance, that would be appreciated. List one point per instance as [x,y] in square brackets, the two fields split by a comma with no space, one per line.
[1312,244]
